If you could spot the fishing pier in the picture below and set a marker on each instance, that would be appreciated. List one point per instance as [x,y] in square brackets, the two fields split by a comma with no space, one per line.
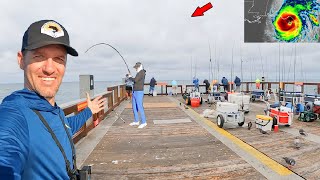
[179,143]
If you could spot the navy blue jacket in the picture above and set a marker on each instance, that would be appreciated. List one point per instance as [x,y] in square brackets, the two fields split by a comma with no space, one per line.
[27,150]
[224,81]
[153,82]
[237,81]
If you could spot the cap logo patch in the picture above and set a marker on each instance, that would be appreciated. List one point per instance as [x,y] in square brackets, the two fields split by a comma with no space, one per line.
[52,29]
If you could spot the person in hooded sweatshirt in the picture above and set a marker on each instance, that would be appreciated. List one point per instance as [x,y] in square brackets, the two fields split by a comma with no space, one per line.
[206,82]
[129,86]
[153,83]
[225,83]
[237,81]
[27,149]
[195,82]
[137,96]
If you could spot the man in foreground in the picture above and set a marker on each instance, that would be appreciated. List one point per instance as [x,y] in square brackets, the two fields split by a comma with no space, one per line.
[35,136]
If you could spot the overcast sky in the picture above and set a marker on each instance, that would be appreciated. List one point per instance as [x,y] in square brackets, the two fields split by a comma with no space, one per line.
[159,33]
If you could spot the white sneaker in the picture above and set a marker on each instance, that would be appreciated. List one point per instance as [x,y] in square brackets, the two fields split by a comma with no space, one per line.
[134,124]
[142,125]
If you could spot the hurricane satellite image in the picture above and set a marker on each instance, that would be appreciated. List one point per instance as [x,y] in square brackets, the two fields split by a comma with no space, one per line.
[281,21]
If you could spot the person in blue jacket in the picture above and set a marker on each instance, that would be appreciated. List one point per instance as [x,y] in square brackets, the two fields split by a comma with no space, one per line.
[27,149]
[153,83]
[225,83]
[195,81]
[237,81]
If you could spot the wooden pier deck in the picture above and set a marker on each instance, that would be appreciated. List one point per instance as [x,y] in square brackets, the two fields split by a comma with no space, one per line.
[180,144]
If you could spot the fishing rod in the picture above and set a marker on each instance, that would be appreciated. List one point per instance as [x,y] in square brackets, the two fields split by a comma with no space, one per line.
[283,64]
[294,65]
[279,64]
[241,61]
[195,69]
[191,69]
[112,48]
[215,62]
[232,66]
[210,65]
[261,62]
[291,59]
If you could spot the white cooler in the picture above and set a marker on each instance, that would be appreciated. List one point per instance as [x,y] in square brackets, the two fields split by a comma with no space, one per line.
[226,107]
[264,122]
[238,98]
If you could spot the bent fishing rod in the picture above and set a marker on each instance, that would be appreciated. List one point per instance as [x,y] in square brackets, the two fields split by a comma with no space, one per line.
[112,48]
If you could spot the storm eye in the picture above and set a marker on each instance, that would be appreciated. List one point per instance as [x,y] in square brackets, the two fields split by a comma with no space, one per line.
[289,20]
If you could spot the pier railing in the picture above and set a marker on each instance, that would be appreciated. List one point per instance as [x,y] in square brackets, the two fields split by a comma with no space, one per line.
[164,88]
[115,95]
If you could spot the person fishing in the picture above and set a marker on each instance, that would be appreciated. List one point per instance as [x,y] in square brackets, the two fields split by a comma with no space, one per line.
[174,85]
[258,83]
[237,81]
[214,86]
[129,86]
[152,83]
[195,82]
[206,82]
[137,96]
[225,82]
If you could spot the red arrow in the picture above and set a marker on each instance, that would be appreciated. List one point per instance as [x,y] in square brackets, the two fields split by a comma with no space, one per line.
[199,11]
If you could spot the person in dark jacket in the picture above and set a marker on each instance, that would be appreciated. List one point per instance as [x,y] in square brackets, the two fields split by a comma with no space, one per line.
[27,149]
[129,86]
[225,83]
[206,82]
[153,83]
[137,96]
[237,82]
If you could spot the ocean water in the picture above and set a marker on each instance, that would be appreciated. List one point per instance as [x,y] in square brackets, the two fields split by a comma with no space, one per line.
[69,91]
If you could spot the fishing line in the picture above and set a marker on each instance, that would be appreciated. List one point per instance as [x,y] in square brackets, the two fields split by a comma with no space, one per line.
[112,48]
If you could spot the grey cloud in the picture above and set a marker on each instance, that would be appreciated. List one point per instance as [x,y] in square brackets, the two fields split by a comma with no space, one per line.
[159,33]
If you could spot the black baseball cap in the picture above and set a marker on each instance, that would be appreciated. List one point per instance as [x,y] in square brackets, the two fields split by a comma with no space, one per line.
[46,32]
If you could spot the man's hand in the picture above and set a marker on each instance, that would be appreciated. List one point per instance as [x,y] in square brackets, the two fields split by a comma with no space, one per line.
[97,104]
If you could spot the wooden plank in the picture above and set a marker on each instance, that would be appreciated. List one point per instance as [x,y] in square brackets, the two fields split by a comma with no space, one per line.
[182,151]
[172,121]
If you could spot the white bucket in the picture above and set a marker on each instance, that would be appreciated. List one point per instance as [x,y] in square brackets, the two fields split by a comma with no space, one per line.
[154,93]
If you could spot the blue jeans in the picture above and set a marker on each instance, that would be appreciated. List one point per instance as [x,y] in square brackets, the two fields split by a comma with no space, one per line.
[137,106]
[151,89]
[196,87]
